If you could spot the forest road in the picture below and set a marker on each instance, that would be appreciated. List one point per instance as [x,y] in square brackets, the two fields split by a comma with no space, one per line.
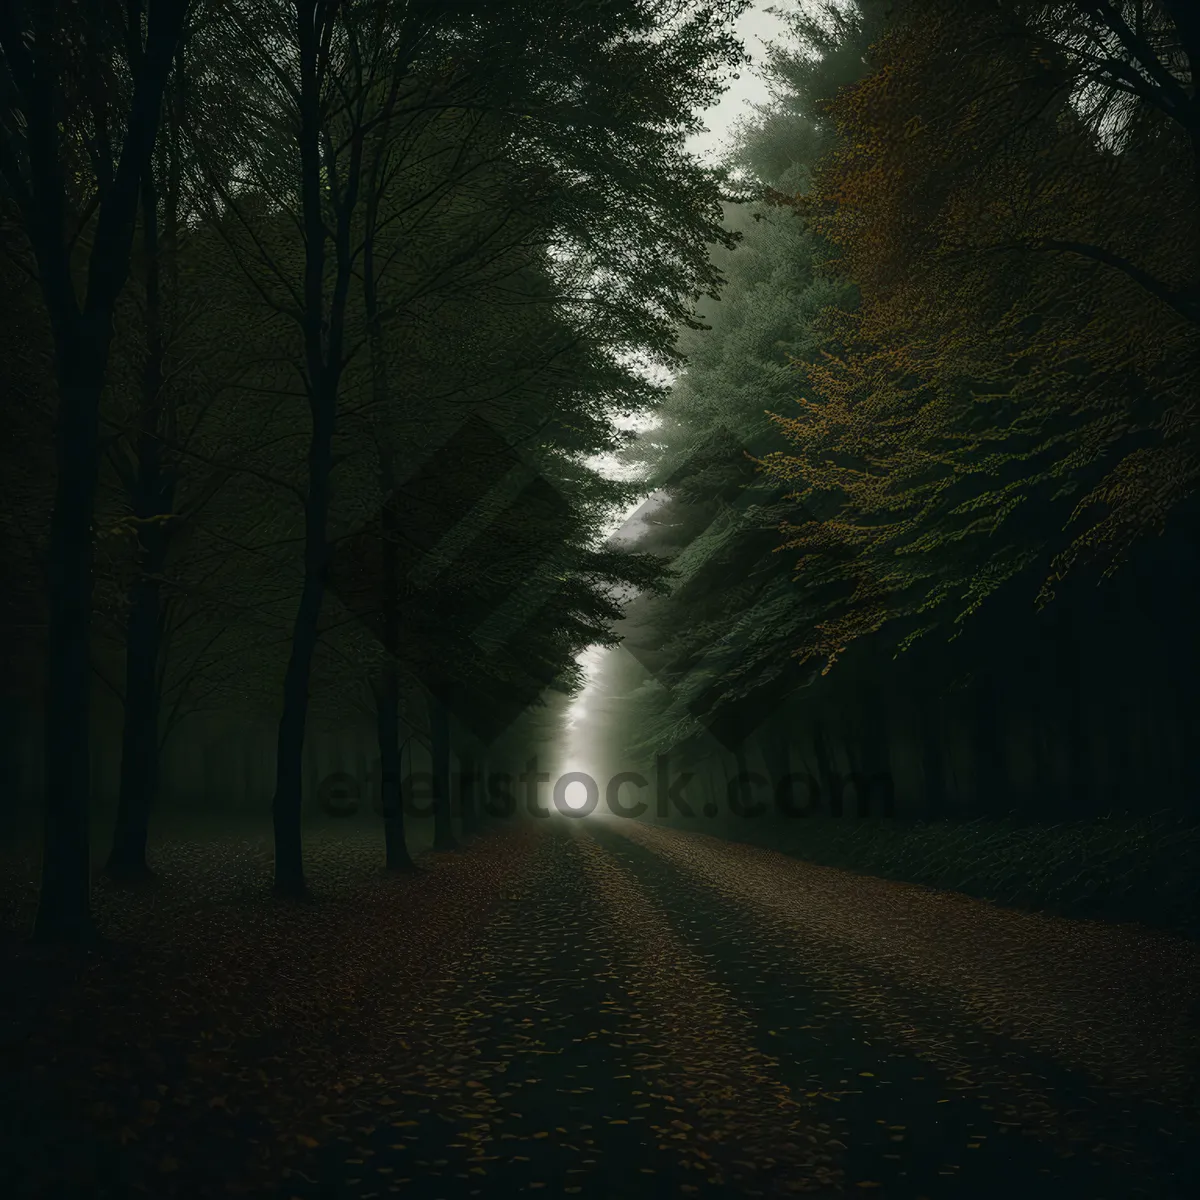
[657,1014]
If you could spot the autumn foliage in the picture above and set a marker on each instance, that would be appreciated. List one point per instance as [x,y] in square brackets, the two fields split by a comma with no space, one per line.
[1014,389]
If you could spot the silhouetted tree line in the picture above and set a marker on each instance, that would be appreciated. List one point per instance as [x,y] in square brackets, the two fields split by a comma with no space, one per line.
[263,264]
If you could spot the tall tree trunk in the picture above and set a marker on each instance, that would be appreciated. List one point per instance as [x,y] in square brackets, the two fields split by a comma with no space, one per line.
[388,693]
[287,806]
[831,791]
[933,757]
[64,908]
[1119,765]
[1070,690]
[988,759]
[439,729]
[479,799]
[712,807]
[139,741]
[749,799]
[324,339]
[1045,775]
[82,340]
[777,754]
[876,763]
[387,708]
[468,792]
[398,857]
[153,499]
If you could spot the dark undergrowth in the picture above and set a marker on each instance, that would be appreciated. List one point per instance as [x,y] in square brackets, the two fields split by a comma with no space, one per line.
[1115,868]
[214,1030]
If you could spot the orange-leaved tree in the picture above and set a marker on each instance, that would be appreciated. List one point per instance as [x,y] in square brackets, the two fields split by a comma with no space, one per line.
[1013,390]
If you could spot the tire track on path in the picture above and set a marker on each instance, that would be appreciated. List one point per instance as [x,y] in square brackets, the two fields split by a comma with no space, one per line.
[577,1048]
[927,1102]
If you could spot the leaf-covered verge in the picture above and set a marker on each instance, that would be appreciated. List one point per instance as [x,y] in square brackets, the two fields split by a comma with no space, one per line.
[216,1031]
[1143,869]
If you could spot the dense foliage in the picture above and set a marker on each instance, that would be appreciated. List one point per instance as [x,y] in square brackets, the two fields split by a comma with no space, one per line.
[959,346]
[303,265]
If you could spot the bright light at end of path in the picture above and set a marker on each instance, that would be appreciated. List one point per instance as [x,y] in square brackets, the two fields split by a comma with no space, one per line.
[575,795]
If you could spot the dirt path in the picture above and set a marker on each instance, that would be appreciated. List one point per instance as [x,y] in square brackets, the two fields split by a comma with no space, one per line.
[656,1014]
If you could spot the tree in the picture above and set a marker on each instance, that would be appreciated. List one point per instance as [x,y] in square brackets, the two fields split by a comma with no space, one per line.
[722,640]
[992,383]
[339,74]
[150,476]
[81,115]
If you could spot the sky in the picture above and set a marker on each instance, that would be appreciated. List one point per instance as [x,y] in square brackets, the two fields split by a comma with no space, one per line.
[755,26]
